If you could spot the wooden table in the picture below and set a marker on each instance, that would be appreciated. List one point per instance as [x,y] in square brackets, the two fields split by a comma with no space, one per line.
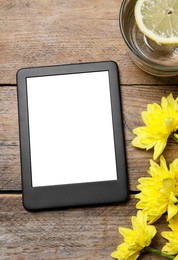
[48,32]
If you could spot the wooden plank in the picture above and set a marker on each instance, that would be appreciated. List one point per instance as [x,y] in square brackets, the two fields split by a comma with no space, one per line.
[10,174]
[134,99]
[60,9]
[9,131]
[49,32]
[73,233]
[10,178]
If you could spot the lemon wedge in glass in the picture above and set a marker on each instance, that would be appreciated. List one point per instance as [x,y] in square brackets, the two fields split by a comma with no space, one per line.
[158,20]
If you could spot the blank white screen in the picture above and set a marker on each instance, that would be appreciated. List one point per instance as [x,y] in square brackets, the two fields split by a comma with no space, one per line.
[71,132]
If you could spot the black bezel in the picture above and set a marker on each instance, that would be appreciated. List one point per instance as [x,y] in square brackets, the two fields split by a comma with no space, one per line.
[56,196]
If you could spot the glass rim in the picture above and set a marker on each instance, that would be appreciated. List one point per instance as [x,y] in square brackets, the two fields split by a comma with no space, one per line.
[149,62]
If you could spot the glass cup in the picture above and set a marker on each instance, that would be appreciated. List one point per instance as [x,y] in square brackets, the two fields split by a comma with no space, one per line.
[151,57]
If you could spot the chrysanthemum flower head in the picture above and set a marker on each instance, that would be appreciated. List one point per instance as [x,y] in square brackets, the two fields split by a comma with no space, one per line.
[171,248]
[160,123]
[159,193]
[135,239]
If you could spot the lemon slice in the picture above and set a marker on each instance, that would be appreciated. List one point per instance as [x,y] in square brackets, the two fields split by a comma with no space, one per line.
[158,20]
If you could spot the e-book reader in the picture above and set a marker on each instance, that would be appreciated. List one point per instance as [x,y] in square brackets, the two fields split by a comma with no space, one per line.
[71,135]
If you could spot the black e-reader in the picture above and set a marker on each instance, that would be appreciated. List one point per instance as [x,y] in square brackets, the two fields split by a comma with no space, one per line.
[71,135]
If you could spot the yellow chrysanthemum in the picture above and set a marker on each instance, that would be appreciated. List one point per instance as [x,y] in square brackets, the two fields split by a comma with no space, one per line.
[159,193]
[135,239]
[160,123]
[171,247]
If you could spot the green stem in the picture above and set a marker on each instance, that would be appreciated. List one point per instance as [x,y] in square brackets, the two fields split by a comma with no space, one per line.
[157,252]
[174,138]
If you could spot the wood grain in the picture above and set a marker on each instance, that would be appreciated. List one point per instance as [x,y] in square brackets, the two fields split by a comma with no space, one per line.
[45,32]
[73,233]
[48,32]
